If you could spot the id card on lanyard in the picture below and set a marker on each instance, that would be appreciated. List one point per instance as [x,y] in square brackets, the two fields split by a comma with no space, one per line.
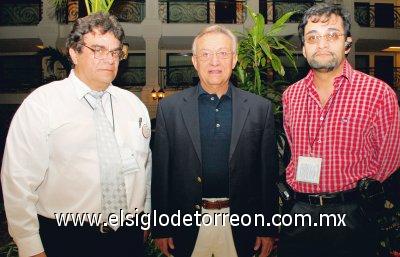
[309,167]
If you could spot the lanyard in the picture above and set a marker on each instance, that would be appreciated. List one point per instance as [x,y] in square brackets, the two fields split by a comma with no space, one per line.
[112,110]
[331,99]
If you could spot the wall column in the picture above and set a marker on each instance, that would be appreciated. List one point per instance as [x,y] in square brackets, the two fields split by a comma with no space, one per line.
[48,27]
[152,62]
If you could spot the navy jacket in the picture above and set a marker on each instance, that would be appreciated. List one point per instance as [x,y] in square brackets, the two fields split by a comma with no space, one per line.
[253,167]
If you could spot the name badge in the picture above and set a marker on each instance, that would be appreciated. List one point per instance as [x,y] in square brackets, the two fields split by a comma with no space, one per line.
[146,132]
[308,169]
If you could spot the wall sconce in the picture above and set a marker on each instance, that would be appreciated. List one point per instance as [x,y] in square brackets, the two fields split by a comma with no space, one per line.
[158,95]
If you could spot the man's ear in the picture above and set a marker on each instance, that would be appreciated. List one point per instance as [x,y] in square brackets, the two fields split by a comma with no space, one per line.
[347,44]
[74,55]
[304,51]
[194,61]
[234,61]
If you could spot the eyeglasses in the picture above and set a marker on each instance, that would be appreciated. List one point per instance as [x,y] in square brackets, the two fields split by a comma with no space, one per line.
[205,55]
[330,37]
[101,53]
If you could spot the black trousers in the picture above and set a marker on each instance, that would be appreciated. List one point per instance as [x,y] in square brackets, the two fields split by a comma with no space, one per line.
[88,241]
[357,239]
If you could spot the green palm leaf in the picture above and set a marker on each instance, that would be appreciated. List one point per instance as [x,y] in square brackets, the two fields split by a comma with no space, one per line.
[93,6]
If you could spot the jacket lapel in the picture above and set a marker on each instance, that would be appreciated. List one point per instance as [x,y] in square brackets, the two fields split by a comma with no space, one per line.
[240,110]
[190,113]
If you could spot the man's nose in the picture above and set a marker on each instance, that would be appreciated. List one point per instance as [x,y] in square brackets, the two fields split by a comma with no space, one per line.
[322,42]
[110,58]
[214,59]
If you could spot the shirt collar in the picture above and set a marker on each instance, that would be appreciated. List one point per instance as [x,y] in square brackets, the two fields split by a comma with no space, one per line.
[347,73]
[81,89]
[347,70]
[201,91]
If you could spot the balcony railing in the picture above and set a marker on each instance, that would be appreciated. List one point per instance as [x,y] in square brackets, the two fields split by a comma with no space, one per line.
[129,11]
[20,12]
[206,11]
[274,9]
[181,76]
[125,10]
[131,77]
[11,80]
[377,15]
[184,76]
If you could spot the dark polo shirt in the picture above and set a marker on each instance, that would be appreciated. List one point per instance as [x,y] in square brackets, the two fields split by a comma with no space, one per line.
[215,118]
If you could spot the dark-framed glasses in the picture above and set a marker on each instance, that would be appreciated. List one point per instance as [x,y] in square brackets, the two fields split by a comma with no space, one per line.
[102,53]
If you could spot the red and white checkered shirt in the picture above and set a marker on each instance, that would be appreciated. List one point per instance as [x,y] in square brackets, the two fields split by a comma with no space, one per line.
[356,133]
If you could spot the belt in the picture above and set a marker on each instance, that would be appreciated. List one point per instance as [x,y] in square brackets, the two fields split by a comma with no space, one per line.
[52,225]
[215,205]
[323,199]
[107,229]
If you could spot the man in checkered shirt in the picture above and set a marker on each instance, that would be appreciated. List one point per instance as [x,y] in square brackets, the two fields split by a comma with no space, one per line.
[342,126]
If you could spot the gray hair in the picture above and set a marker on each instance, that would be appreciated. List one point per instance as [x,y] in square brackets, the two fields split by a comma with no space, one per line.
[215,29]
[322,12]
[103,22]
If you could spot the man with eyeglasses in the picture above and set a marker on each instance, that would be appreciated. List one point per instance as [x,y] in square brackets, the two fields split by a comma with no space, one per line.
[215,155]
[343,129]
[77,149]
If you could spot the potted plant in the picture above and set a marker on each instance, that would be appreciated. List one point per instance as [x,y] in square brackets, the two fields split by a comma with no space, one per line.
[92,6]
[258,52]
[57,65]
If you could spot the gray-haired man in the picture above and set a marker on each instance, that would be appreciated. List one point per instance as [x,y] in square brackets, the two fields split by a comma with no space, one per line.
[215,153]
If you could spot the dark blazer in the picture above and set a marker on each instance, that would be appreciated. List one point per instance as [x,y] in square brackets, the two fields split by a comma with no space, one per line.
[253,166]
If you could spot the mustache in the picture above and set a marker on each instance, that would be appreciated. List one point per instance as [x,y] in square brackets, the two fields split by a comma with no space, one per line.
[328,52]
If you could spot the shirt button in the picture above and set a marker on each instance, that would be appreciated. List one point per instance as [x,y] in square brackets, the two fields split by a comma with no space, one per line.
[321,118]
[212,98]
[319,141]
[217,110]
[218,125]
[197,207]
[199,179]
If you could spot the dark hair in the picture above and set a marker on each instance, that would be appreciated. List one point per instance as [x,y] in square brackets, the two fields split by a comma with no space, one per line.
[103,22]
[322,12]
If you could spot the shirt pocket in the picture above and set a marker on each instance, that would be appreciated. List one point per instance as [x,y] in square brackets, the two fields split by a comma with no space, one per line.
[129,161]
[131,134]
[351,131]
